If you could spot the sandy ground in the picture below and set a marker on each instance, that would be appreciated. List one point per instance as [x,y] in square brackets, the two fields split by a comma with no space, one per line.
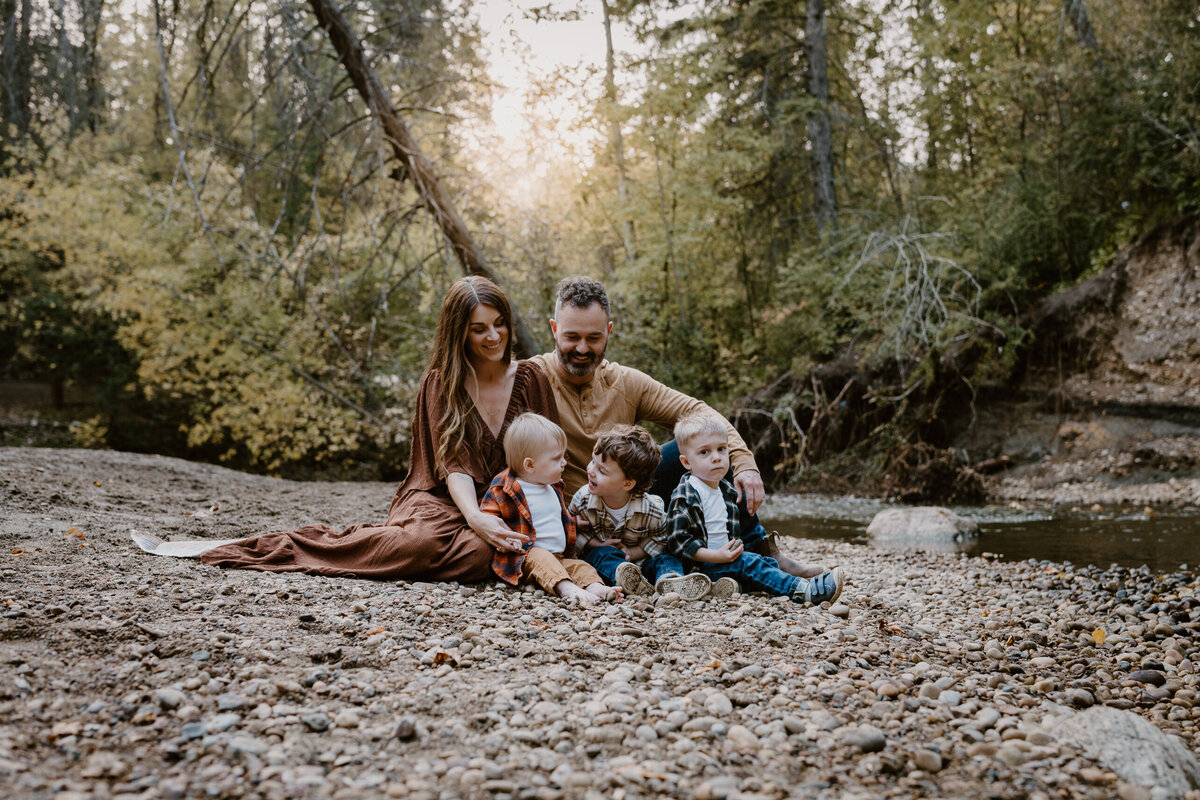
[127,675]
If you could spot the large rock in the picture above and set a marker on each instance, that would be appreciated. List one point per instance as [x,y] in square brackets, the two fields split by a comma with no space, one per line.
[1133,748]
[921,522]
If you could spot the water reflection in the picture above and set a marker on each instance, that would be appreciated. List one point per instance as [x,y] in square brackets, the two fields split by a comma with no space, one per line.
[1160,542]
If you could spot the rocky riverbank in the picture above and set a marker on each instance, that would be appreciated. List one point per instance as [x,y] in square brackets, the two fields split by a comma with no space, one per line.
[132,676]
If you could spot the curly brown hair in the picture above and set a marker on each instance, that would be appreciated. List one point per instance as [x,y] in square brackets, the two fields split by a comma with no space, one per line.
[634,450]
[580,291]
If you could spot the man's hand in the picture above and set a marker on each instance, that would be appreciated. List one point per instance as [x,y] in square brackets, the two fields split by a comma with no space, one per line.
[749,484]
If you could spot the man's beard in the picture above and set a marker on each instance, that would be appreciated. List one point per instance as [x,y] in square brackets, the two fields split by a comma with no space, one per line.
[581,369]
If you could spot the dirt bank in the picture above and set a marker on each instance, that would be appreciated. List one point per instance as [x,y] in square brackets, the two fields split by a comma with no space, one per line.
[1106,408]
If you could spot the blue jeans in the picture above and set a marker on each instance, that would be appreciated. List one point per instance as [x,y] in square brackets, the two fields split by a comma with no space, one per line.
[754,573]
[606,559]
[670,472]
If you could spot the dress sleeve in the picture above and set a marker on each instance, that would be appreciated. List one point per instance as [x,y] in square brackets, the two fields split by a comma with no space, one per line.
[663,405]
[422,474]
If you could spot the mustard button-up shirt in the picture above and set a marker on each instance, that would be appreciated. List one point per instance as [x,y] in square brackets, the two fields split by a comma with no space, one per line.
[619,395]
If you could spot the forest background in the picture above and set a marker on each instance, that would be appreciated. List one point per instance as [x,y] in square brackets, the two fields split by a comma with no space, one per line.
[206,235]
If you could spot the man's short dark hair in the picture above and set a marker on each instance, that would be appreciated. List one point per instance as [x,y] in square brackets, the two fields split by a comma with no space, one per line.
[581,291]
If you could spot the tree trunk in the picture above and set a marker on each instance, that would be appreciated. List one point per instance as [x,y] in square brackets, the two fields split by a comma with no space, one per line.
[929,85]
[16,57]
[437,201]
[820,130]
[615,138]
[1076,11]
[93,94]
[8,48]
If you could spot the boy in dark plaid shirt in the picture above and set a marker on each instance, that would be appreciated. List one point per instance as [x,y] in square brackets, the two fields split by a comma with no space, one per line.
[528,497]
[622,528]
[702,521]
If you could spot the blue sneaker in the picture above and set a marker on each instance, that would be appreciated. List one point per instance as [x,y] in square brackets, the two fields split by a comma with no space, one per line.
[825,587]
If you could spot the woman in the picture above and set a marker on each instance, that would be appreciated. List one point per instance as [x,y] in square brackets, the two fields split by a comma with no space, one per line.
[469,394]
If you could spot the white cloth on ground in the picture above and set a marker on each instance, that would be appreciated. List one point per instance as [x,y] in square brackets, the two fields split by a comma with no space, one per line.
[184,549]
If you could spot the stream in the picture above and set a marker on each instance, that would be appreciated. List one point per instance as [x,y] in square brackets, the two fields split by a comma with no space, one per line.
[1129,537]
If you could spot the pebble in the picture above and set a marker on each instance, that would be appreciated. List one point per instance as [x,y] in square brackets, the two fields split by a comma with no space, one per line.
[223,722]
[865,738]
[346,718]
[1012,755]
[1148,676]
[230,702]
[646,733]
[316,722]
[169,698]
[742,739]
[928,760]
[718,704]
[668,600]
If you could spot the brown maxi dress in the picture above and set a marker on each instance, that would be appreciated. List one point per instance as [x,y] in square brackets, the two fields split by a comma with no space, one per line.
[425,535]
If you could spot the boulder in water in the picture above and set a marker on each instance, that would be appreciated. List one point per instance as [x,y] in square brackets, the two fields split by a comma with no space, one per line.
[921,522]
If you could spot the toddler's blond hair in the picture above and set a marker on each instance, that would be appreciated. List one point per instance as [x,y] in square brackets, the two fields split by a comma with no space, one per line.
[527,436]
[694,423]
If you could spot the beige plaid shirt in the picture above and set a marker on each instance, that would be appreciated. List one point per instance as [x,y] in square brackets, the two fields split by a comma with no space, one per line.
[645,526]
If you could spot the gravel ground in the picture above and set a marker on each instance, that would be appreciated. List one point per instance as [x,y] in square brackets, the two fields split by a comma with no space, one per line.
[935,676]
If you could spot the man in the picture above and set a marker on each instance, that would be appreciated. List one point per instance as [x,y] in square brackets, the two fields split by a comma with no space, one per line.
[594,394]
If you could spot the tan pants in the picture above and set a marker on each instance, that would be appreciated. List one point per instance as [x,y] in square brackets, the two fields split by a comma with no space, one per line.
[548,570]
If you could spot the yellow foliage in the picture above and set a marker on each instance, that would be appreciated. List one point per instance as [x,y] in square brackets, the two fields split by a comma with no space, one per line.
[261,346]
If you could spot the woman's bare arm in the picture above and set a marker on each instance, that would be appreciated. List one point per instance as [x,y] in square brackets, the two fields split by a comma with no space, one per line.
[489,528]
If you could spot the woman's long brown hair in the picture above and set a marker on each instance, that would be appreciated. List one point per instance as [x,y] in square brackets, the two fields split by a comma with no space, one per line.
[457,430]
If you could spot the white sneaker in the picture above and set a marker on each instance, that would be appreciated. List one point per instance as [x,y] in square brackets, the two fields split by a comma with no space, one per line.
[688,587]
[629,578]
[724,588]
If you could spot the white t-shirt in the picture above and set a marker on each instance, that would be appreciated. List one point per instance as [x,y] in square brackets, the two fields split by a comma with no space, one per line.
[716,516]
[619,515]
[546,511]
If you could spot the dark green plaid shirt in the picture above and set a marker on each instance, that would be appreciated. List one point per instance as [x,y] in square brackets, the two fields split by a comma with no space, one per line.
[686,532]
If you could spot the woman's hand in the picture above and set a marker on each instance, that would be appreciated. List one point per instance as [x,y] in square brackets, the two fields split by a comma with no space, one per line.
[498,535]
[487,527]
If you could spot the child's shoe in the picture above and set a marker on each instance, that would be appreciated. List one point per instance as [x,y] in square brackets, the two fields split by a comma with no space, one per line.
[689,587]
[724,588]
[826,587]
[629,578]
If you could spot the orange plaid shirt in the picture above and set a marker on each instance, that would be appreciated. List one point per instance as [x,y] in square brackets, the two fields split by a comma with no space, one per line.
[505,500]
